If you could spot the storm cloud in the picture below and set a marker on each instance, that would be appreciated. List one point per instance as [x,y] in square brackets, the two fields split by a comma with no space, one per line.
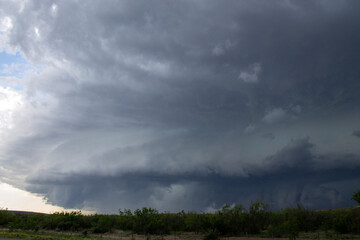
[183,104]
[356,133]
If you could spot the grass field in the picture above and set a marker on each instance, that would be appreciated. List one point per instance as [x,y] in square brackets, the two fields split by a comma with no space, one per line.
[53,235]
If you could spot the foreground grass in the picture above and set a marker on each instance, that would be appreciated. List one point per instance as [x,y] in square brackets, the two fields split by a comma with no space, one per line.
[123,235]
[43,235]
[4,233]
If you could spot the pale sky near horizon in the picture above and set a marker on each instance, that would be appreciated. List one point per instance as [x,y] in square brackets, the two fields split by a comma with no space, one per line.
[20,200]
[178,104]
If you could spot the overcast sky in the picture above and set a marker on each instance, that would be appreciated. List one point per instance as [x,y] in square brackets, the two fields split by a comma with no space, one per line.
[181,104]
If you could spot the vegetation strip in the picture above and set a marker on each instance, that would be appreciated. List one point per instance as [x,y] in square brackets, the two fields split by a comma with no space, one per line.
[229,221]
[40,236]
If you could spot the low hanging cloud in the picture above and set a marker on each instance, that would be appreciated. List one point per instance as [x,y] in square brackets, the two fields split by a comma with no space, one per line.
[290,176]
[132,104]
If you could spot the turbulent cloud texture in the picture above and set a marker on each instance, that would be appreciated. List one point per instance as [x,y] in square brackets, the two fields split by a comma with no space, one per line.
[182,104]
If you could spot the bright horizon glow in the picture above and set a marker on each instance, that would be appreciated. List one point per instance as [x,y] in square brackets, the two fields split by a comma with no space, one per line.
[20,200]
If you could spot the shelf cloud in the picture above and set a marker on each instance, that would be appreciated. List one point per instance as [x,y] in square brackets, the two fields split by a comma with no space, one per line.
[181,104]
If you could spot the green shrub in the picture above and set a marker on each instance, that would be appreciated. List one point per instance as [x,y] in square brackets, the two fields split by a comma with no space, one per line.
[356,197]
[211,235]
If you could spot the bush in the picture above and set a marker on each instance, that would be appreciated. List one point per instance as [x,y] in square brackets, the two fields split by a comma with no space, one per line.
[6,217]
[211,235]
[356,197]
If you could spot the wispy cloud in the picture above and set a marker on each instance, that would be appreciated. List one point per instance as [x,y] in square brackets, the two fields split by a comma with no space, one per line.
[274,116]
[252,75]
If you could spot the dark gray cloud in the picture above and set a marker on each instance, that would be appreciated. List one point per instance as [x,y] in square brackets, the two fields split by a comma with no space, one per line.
[268,136]
[285,178]
[356,133]
[174,104]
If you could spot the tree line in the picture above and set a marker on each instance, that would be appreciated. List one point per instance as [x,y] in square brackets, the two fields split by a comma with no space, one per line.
[228,221]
